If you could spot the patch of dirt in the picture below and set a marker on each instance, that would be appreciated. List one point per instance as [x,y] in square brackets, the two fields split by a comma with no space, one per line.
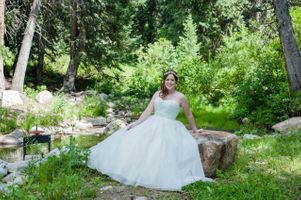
[123,192]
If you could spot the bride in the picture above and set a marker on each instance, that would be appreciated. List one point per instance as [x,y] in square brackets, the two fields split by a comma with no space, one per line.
[156,151]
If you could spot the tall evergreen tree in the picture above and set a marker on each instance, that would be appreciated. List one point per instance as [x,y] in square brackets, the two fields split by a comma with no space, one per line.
[188,45]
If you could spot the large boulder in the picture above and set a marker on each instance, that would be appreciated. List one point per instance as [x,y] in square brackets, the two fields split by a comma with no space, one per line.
[13,138]
[44,96]
[290,124]
[217,150]
[10,98]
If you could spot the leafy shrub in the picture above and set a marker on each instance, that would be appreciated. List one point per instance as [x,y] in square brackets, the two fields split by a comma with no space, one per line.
[8,120]
[29,121]
[253,77]
[31,91]
[92,106]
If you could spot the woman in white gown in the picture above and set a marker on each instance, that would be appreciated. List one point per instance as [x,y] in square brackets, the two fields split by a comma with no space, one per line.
[156,151]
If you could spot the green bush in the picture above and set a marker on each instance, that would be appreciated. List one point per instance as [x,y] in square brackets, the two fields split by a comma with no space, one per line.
[252,76]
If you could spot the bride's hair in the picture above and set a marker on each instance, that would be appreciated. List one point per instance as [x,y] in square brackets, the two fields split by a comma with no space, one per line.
[164,92]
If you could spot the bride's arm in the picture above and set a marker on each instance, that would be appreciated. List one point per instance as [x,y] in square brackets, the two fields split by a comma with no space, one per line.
[146,113]
[188,113]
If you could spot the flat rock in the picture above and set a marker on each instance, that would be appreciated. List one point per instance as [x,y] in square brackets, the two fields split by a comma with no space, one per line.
[9,140]
[290,124]
[17,166]
[99,121]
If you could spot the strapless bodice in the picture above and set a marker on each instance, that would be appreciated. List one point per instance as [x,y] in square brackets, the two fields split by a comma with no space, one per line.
[168,108]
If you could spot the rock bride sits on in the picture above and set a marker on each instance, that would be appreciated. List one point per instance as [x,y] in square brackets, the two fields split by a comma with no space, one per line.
[156,151]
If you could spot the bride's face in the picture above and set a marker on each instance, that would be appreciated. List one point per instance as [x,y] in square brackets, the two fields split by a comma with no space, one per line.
[170,82]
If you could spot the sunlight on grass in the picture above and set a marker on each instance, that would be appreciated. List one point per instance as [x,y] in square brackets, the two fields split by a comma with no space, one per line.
[211,118]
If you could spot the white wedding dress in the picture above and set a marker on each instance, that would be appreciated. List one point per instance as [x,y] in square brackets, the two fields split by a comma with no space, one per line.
[159,153]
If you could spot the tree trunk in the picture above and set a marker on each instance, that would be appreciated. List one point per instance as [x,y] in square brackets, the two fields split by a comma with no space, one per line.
[39,68]
[19,75]
[69,81]
[2,28]
[151,21]
[289,45]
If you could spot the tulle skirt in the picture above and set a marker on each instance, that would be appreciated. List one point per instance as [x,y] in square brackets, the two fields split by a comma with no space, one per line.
[159,153]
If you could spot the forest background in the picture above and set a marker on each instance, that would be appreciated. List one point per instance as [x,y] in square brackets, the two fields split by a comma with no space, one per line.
[234,64]
[227,53]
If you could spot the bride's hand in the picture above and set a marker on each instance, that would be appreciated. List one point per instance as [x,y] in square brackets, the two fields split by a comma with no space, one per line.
[130,126]
[198,131]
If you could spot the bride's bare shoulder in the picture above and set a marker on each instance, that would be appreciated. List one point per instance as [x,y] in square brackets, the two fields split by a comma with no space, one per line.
[181,97]
[156,94]
[180,94]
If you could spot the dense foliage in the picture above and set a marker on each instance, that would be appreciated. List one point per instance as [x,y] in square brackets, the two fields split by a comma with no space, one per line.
[247,74]
[230,64]
[227,53]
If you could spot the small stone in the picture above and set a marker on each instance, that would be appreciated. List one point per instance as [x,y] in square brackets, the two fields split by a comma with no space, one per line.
[17,166]
[103,96]
[110,104]
[246,120]
[3,171]
[11,177]
[109,187]
[3,188]
[250,136]
[140,198]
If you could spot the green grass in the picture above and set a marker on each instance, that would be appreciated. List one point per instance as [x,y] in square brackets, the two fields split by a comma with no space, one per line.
[265,168]
[211,118]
